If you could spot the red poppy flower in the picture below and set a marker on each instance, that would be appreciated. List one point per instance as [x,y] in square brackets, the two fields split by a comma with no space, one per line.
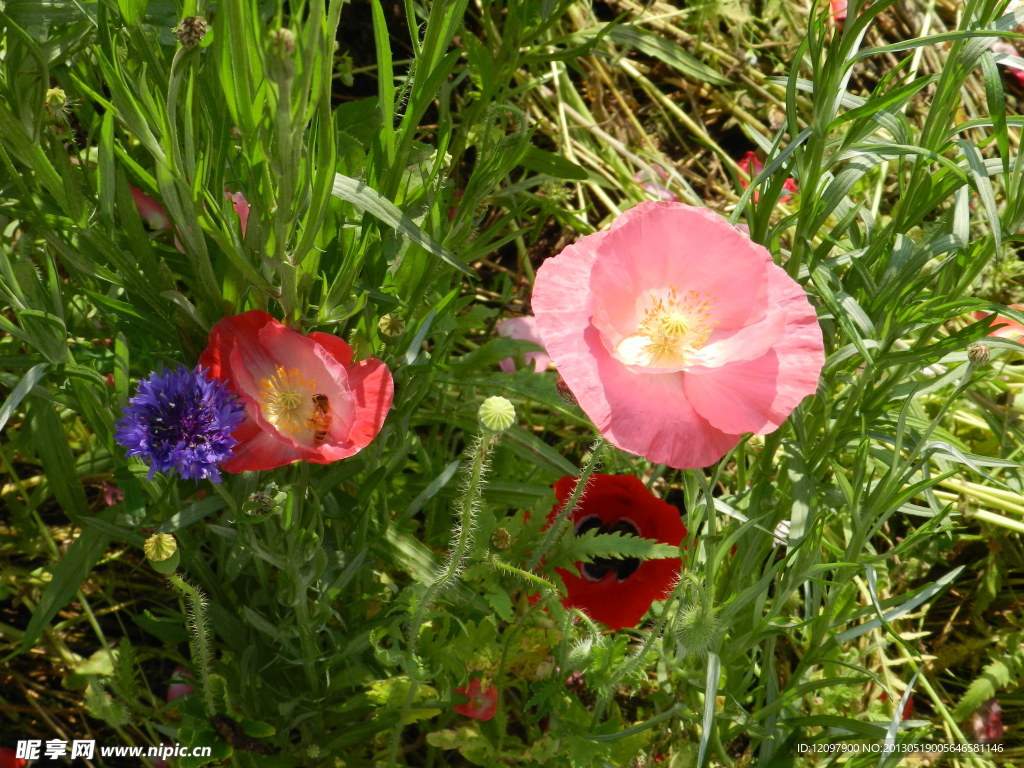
[618,592]
[305,400]
[482,703]
[752,164]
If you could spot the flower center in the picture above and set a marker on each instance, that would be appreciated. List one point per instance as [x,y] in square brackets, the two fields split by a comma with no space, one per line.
[673,327]
[285,400]
[596,570]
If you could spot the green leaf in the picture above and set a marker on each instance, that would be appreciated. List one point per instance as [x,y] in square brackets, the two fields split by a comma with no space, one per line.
[24,386]
[549,163]
[666,52]
[590,545]
[372,202]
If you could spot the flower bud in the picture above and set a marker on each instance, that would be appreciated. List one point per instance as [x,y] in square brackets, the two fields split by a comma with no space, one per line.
[697,628]
[58,105]
[501,539]
[191,31]
[497,414]
[161,550]
[391,325]
[579,654]
[977,353]
[281,55]
[265,502]
[282,42]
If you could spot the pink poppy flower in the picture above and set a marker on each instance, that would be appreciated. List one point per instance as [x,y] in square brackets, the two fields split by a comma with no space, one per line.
[525,329]
[305,399]
[1004,327]
[753,166]
[482,704]
[677,334]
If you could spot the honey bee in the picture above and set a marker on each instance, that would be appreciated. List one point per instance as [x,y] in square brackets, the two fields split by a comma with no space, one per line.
[320,421]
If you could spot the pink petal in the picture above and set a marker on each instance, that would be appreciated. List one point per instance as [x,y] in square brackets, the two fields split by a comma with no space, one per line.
[758,395]
[337,347]
[525,329]
[241,206]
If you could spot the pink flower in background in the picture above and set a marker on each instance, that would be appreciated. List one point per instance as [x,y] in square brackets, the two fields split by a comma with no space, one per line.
[838,10]
[482,704]
[652,181]
[156,217]
[241,206]
[753,166]
[1004,327]
[178,687]
[111,494]
[987,722]
[525,329]
[677,334]
[305,398]
[1008,49]
[150,210]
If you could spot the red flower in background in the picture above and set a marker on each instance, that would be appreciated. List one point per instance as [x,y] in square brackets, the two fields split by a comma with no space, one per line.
[1003,327]
[9,758]
[482,704]
[618,592]
[305,399]
[753,166]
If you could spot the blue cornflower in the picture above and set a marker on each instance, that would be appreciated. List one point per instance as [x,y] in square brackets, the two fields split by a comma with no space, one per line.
[181,420]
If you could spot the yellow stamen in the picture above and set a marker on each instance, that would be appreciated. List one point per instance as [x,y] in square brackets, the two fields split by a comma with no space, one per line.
[673,328]
[286,400]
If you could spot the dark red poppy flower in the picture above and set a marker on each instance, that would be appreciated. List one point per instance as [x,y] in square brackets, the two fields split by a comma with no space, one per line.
[482,704]
[618,592]
[305,399]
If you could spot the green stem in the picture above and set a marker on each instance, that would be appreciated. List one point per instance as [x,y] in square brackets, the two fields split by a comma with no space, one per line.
[457,554]
[199,636]
[556,529]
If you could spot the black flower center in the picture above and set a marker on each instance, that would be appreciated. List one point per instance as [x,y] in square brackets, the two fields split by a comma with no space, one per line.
[624,567]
